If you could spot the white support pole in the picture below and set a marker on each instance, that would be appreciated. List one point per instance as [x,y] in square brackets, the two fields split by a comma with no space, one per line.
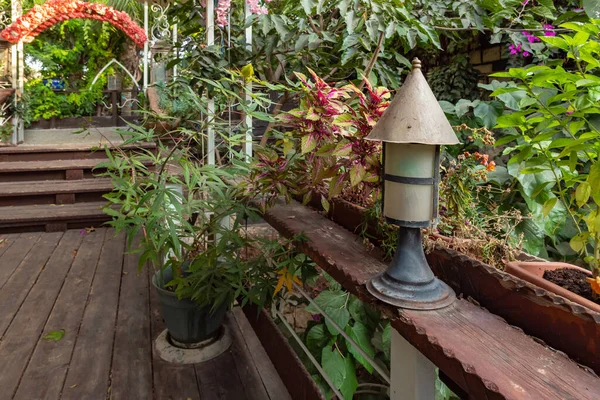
[248,121]
[146,45]
[176,50]
[17,75]
[21,85]
[412,374]
[210,41]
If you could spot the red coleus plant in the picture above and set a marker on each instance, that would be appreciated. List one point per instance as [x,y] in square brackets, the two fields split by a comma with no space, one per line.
[325,144]
[42,17]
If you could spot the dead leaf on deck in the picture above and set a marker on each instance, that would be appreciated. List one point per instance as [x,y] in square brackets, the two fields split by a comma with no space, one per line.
[74,253]
[90,230]
[73,386]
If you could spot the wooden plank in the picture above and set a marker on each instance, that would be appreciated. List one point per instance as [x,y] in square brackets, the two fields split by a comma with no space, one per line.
[24,332]
[218,379]
[132,355]
[258,362]
[246,368]
[13,255]
[45,374]
[479,351]
[17,287]
[300,384]
[171,381]
[89,370]
[50,212]
[6,241]
[33,188]
[54,165]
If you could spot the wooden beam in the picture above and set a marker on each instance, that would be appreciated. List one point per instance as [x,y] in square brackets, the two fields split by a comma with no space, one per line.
[480,352]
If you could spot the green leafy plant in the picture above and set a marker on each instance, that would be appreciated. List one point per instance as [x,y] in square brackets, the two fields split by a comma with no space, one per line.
[42,102]
[340,360]
[455,80]
[555,130]
[323,150]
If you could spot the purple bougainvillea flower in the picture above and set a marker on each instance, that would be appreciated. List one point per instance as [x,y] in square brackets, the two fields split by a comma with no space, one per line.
[317,317]
[530,37]
[525,54]
[548,30]
[515,49]
[524,2]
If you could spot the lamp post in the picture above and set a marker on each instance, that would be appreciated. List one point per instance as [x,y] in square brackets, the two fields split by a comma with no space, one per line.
[412,130]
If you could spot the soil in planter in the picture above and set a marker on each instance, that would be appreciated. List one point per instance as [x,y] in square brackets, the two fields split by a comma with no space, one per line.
[572,280]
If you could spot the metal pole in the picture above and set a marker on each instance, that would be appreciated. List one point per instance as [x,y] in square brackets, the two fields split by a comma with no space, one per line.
[248,121]
[412,374]
[14,139]
[176,50]
[210,41]
[146,45]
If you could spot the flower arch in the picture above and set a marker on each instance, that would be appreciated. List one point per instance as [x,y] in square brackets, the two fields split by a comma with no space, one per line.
[41,17]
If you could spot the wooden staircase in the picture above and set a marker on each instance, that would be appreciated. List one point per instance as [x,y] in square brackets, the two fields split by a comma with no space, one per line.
[51,189]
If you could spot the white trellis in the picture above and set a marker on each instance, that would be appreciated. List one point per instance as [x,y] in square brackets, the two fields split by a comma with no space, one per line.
[16,62]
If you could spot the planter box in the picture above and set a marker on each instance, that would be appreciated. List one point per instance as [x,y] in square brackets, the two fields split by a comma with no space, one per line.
[80,122]
[561,323]
[533,272]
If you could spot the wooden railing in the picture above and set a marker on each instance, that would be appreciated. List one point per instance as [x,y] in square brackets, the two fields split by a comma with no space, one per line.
[479,355]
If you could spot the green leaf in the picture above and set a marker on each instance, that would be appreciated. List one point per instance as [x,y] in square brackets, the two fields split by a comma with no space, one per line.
[341,316]
[350,382]
[54,336]
[334,366]
[360,334]
[316,338]
[386,339]
[357,310]
[247,71]
[308,5]
[447,107]
[549,205]
[328,299]
[583,193]
[357,173]
[487,113]
[308,144]
[510,120]
[325,203]
[578,242]
[592,8]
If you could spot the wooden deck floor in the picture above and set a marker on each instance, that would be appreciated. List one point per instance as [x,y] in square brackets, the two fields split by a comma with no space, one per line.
[85,284]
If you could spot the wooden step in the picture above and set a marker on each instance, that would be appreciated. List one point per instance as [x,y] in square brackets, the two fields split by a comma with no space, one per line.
[20,171]
[53,192]
[62,152]
[51,217]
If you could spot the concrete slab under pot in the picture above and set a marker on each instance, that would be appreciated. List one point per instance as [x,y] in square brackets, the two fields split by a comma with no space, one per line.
[533,272]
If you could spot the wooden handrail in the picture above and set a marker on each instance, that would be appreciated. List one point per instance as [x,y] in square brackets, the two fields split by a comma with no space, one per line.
[482,354]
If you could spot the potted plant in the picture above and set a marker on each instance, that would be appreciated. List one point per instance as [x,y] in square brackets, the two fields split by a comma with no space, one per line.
[188,218]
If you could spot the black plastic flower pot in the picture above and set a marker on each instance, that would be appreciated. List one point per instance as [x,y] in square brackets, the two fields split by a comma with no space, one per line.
[186,322]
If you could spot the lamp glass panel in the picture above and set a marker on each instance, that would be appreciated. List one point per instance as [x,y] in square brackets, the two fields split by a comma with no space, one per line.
[406,202]
[410,160]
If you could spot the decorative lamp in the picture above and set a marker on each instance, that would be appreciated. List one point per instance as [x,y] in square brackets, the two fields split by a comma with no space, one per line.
[412,130]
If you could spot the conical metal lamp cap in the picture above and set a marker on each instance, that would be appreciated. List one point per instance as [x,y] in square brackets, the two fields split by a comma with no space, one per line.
[414,116]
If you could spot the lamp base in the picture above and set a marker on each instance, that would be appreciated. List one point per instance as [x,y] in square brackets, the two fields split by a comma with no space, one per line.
[432,295]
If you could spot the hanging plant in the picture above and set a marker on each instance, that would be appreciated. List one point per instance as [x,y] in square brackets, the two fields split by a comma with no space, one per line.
[42,17]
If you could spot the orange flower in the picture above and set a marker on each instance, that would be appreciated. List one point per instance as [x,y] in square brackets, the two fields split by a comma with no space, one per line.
[491,166]
[595,283]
